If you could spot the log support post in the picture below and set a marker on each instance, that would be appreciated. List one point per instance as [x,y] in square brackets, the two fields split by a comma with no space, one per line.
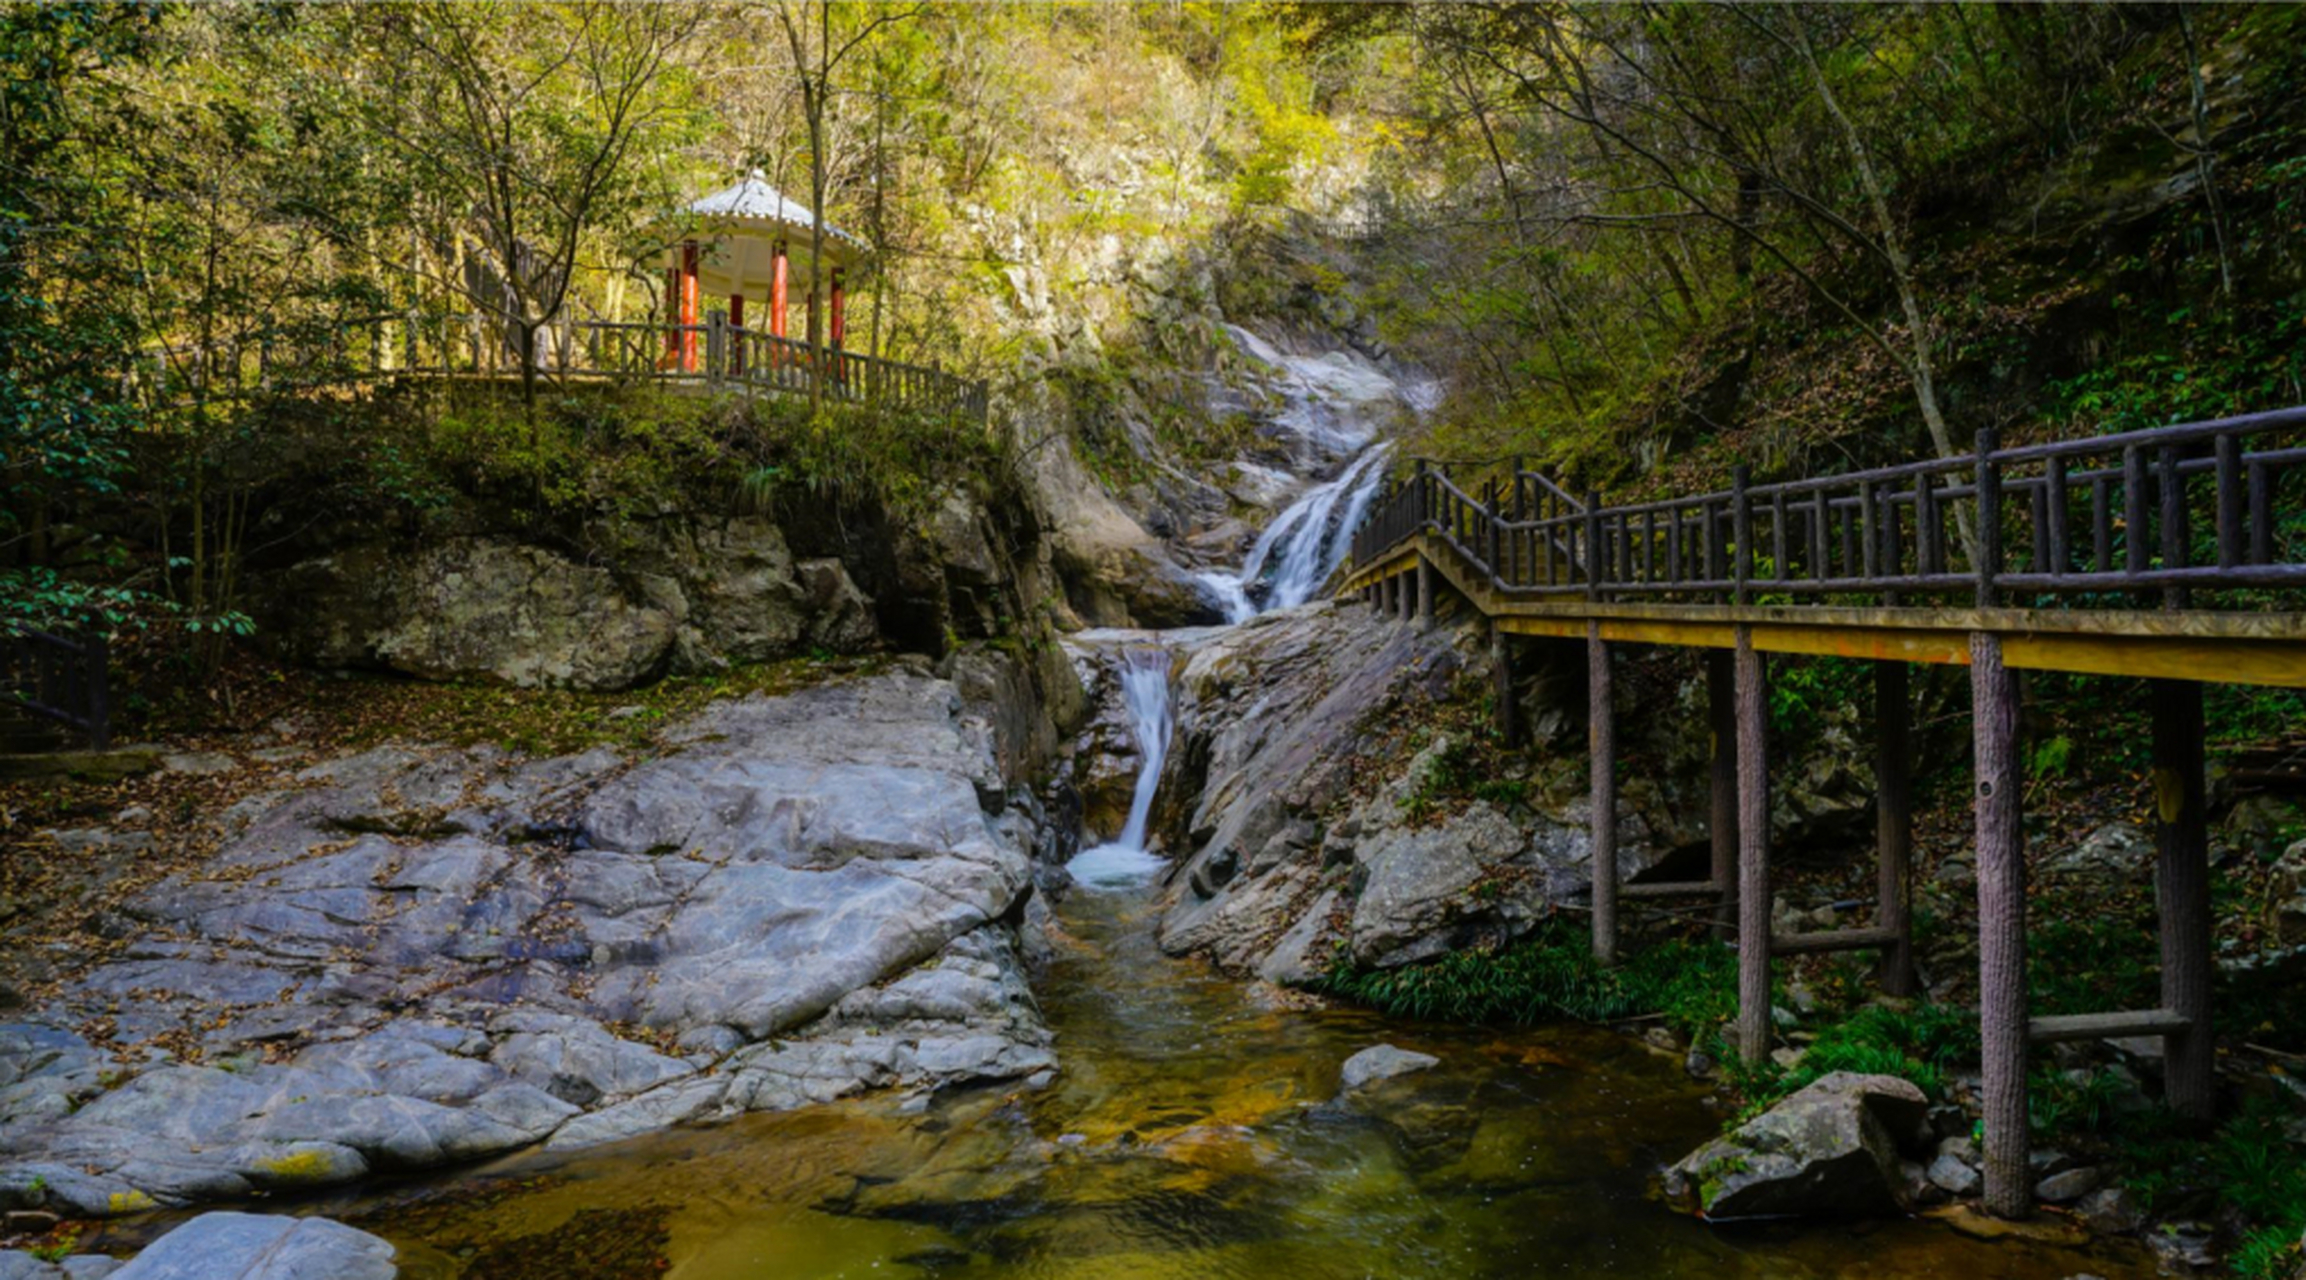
[1752,713]
[1601,744]
[1508,718]
[1424,592]
[2001,852]
[2182,887]
[1894,823]
[1722,822]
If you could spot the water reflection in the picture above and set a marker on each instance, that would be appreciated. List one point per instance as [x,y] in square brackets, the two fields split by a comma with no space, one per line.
[1192,1133]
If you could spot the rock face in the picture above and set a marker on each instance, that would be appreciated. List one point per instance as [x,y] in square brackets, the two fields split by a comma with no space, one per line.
[1312,830]
[251,1246]
[418,956]
[1305,840]
[1833,1148]
[480,606]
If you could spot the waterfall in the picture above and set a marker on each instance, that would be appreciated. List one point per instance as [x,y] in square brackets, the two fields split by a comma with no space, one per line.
[1145,691]
[1311,538]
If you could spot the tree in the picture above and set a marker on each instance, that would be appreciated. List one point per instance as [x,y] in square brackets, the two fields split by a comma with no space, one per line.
[817,55]
[63,421]
[538,126]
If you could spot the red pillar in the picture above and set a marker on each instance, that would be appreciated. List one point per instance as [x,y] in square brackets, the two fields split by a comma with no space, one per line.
[737,333]
[689,301]
[672,316]
[840,310]
[779,274]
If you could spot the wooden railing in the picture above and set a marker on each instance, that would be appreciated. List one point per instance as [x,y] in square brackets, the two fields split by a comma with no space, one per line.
[65,679]
[2112,521]
[713,355]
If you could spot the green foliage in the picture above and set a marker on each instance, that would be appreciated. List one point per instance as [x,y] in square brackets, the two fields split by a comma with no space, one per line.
[1921,1044]
[1803,692]
[1551,975]
[639,450]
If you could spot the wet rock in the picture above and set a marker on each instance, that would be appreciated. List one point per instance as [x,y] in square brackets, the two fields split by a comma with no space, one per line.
[1833,1148]
[2111,1210]
[2184,1246]
[1382,1062]
[1953,1176]
[2068,1186]
[249,1246]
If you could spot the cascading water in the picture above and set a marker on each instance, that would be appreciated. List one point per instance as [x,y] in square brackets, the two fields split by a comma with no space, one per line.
[1145,690]
[1312,537]
[1335,404]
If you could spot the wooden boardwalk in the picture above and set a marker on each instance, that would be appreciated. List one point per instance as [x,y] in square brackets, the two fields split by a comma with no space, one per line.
[2176,554]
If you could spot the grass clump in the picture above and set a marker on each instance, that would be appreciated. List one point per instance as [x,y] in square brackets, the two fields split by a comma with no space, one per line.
[1549,976]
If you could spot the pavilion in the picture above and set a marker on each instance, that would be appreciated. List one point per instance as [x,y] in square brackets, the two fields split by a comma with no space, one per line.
[752,241]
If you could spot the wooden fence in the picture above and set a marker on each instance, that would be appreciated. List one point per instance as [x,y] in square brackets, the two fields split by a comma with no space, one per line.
[712,356]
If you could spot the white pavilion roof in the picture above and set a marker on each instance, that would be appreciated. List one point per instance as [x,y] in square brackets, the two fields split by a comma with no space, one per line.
[755,201]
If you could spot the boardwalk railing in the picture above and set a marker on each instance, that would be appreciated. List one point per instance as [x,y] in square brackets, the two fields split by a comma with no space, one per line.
[2175,554]
[60,678]
[714,355]
[2164,511]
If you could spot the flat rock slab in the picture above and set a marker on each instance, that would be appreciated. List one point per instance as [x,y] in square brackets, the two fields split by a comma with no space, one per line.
[1383,1062]
[384,967]
[254,1246]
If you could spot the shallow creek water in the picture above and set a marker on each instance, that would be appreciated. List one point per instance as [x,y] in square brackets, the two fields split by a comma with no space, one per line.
[1189,1134]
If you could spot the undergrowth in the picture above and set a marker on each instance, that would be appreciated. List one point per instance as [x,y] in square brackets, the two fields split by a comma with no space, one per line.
[1548,976]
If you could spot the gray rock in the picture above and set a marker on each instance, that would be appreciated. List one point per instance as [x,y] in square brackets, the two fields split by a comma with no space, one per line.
[2184,1246]
[198,763]
[2111,1210]
[15,1264]
[468,607]
[1382,1062]
[2069,1185]
[828,867]
[2116,849]
[249,1246]
[1832,1148]
[90,1266]
[1953,1176]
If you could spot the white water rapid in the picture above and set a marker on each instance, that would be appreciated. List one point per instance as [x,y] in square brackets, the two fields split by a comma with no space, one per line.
[1312,536]
[1145,689]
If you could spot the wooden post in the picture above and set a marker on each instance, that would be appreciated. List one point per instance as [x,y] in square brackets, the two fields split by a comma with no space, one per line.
[2001,851]
[1721,717]
[737,334]
[1501,658]
[1894,823]
[1424,592]
[1753,853]
[672,318]
[2182,887]
[1601,745]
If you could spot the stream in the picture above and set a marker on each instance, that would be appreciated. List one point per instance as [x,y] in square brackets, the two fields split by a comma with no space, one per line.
[1191,1133]
[1195,1127]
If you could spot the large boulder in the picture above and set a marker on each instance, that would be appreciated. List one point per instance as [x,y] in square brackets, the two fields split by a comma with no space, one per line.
[647,597]
[473,607]
[262,1246]
[1831,1149]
